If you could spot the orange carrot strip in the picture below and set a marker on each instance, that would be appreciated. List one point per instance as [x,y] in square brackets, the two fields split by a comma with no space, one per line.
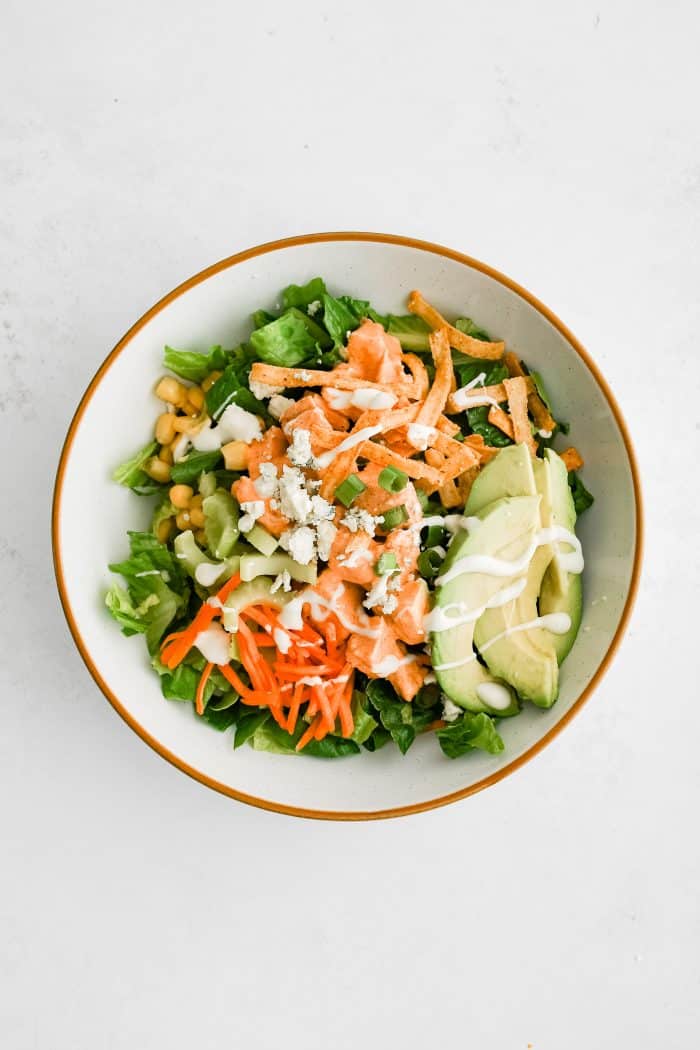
[297,701]
[176,651]
[244,691]
[320,693]
[309,734]
[199,697]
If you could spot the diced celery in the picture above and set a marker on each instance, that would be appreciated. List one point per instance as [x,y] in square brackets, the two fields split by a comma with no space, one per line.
[261,539]
[254,565]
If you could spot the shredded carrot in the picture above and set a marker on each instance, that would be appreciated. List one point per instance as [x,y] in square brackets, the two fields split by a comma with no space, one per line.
[310,733]
[199,698]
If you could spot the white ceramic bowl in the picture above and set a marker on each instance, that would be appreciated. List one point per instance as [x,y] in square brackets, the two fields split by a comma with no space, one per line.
[92,514]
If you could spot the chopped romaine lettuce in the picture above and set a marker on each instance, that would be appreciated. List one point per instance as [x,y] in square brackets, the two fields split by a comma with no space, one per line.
[286,342]
[132,474]
[302,295]
[582,497]
[268,736]
[193,366]
[232,388]
[411,331]
[469,732]
[187,471]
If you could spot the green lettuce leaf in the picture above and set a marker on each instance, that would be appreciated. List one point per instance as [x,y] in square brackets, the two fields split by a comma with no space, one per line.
[411,331]
[248,723]
[131,618]
[232,388]
[263,317]
[163,511]
[286,342]
[158,590]
[301,295]
[379,737]
[469,327]
[131,473]
[270,737]
[394,713]
[364,723]
[470,732]
[343,315]
[194,366]
[188,470]
[479,424]
[582,497]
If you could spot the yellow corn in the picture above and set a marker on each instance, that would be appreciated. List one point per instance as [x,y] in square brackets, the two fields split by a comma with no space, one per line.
[201,537]
[183,520]
[164,530]
[165,428]
[196,517]
[208,383]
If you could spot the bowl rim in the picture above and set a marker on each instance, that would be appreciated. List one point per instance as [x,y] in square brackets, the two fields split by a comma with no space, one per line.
[203,275]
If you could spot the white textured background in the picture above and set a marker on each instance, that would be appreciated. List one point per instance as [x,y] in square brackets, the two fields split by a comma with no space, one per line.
[559,142]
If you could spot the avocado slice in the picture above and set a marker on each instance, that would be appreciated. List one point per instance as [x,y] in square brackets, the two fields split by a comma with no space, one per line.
[510,473]
[561,591]
[525,658]
[506,531]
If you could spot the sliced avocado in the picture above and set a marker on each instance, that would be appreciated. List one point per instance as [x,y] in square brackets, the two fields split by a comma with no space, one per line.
[510,473]
[561,591]
[506,531]
[525,658]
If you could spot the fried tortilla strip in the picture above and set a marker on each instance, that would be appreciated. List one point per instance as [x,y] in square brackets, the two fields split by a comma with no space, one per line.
[458,453]
[421,383]
[540,413]
[472,347]
[377,422]
[465,481]
[385,457]
[501,419]
[516,389]
[446,426]
[448,491]
[572,458]
[299,378]
[484,451]
[436,399]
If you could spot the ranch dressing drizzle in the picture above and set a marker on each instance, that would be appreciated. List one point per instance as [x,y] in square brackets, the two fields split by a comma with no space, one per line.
[557,623]
[439,620]
[351,441]
[571,561]
[290,616]
[390,665]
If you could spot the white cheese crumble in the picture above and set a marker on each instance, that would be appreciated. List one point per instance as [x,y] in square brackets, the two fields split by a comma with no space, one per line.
[450,711]
[284,580]
[378,596]
[299,452]
[267,484]
[325,534]
[373,399]
[313,307]
[252,510]
[278,405]
[356,520]
[300,543]
[263,390]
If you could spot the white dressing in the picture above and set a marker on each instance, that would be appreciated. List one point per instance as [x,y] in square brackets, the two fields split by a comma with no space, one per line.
[207,573]
[390,665]
[351,441]
[571,561]
[494,694]
[440,620]
[557,623]
[213,643]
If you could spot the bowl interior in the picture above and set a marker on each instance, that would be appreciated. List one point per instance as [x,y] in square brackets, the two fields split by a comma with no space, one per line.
[93,515]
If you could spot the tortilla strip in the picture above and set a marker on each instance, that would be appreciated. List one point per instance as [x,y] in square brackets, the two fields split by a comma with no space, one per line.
[344,462]
[516,390]
[465,481]
[446,426]
[385,457]
[572,458]
[436,399]
[465,343]
[540,413]
[299,378]
[456,453]
[501,419]
[485,452]
[421,383]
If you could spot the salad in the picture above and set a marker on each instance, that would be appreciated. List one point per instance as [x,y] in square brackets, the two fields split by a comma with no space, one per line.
[361,532]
